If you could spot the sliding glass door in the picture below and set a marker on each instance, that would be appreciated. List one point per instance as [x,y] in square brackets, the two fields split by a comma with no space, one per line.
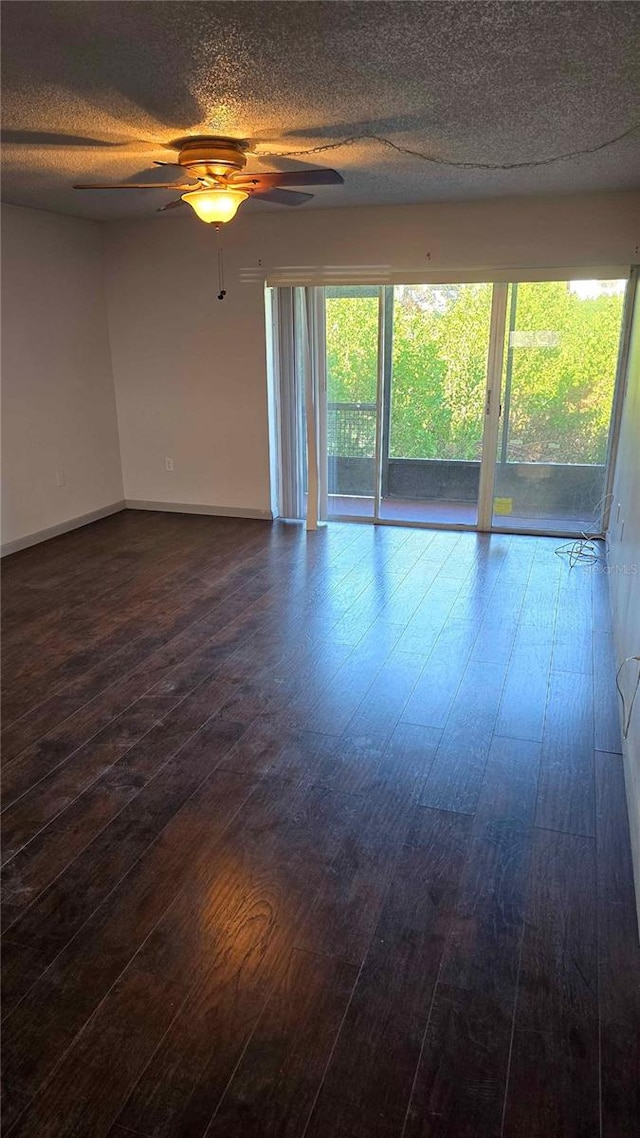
[466,405]
[437,346]
[406,381]
[560,358]
[353,341]
[418,428]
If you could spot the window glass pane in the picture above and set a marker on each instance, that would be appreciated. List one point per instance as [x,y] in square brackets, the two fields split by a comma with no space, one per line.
[561,352]
[436,417]
[440,340]
[352,388]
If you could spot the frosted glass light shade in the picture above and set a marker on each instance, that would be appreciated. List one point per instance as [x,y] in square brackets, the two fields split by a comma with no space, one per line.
[216,205]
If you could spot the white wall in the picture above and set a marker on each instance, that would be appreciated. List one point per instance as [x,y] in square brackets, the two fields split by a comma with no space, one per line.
[190,371]
[58,406]
[624,561]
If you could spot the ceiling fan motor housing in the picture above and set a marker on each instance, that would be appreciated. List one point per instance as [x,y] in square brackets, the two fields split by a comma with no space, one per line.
[211,157]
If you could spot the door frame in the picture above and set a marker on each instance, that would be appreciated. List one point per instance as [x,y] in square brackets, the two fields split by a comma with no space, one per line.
[619,392]
[381,406]
[386,367]
[492,406]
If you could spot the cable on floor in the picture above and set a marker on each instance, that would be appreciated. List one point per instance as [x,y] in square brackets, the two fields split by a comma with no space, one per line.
[626,715]
[583,550]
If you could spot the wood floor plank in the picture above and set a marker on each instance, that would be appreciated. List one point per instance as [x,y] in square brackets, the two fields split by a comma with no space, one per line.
[22,965]
[45,857]
[522,710]
[494,642]
[294,687]
[338,702]
[12,1106]
[259,747]
[435,691]
[407,759]
[606,698]
[524,699]
[69,901]
[462,1072]
[618,954]
[540,597]
[108,638]
[482,950]
[615,866]
[87,598]
[575,599]
[226,911]
[57,1006]
[398,604]
[255,905]
[223,603]
[601,601]
[620,1080]
[190,656]
[566,795]
[274,1087]
[53,795]
[383,703]
[88,1088]
[40,862]
[455,778]
[347,906]
[116,714]
[148,575]
[461,1077]
[572,650]
[558,976]
[553,1086]
[364,1092]
[554,1076]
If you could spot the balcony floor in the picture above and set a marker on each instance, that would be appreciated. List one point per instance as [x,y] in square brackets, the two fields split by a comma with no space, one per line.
[446,513]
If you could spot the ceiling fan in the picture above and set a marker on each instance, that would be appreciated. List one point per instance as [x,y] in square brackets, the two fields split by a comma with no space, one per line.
[218,183]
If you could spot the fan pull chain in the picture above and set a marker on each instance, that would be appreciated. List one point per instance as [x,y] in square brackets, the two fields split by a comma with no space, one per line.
[223,292]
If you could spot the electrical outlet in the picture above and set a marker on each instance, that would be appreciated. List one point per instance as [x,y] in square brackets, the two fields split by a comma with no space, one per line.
[168,464]
[60,478]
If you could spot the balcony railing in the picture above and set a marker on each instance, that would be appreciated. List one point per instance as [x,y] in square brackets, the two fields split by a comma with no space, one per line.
[351,430]
[351,446]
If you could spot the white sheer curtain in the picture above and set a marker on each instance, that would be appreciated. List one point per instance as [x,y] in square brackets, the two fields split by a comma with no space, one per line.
[301,400]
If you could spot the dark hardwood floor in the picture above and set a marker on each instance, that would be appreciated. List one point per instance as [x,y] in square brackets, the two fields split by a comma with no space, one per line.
[313,835]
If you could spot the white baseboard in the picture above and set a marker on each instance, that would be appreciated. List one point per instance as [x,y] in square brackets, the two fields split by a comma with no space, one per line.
[62,527]
[190,508]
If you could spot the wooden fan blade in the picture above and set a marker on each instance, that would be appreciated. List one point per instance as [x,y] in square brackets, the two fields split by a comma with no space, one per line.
[282,197]
[288,178]
[174,165]
[135,186]
[170,205]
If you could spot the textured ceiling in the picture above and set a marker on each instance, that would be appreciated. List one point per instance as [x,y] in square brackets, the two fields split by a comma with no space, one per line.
[92,91]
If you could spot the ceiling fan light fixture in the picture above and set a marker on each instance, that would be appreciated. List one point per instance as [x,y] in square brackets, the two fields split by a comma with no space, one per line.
[215,206]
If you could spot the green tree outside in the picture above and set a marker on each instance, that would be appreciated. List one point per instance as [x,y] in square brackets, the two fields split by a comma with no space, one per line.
[562,382]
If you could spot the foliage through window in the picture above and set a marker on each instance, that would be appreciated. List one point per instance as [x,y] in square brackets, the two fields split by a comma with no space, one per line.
[562,348]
